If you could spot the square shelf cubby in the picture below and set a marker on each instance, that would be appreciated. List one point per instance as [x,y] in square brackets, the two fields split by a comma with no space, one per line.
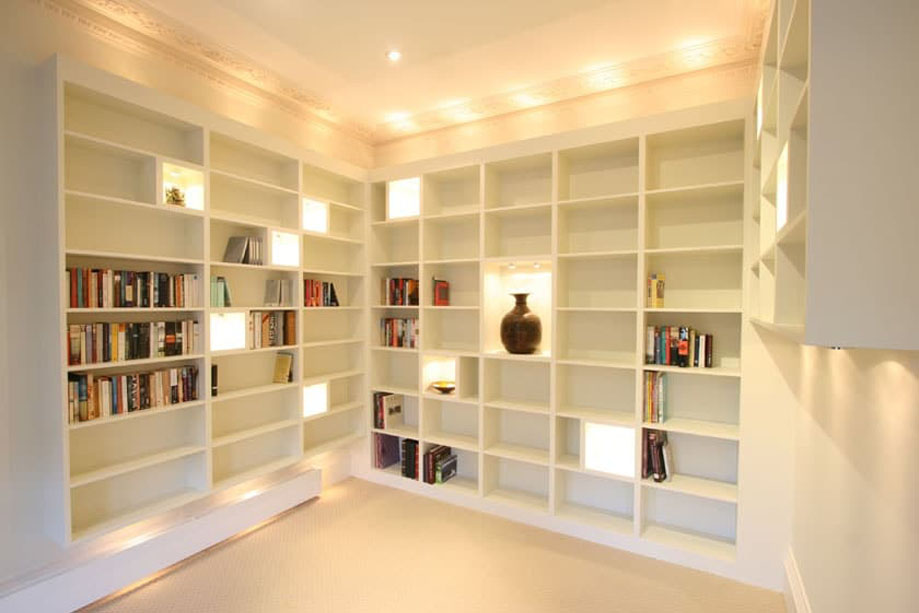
[466,480]
[395,244]
[504,279]
[395,372]
[403,415]
[452,192]
[252,372]
[237,417]
[707,406]
[568,443]
[462,370]
[598,282]
[519,484]
[519,182]
[603,503]
[708,527]
[709,217]
[701,466]
[106,170]
[451,423]
[700,281]
[516,435]
[596,171]
[332,257]
[322,290]
[696,156]
[521,232]
[451,329]
[463,279]
[234,198]
[598,337]
[327,326]
[399,286]
[598,226]
[321,184]
[724,328]
[596,393]
[334,360]
[331,432]
[521,385]
[242,160]
[452,238]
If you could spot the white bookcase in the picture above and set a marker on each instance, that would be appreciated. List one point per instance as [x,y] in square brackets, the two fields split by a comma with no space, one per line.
[118,158]
[579,227]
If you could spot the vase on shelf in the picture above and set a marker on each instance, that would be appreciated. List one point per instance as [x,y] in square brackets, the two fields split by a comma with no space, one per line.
[521,329]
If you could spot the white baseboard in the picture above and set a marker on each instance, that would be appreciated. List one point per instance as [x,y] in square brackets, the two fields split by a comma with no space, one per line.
[795,595]
[98,577]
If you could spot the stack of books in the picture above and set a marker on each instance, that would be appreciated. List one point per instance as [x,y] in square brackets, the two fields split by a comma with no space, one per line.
[220,293]
[656,459]
[385,450]
[439,464]
[678,346]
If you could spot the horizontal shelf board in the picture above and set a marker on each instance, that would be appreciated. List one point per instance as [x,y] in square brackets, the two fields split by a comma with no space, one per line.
[596,255]
[704,189]
[334,341]
[605,520]
[256,471]
[341,374]
[514,259]
[620,418]
[525,500]
[517,208]
[453,261]
[249,220]
[519,405]
[243,435]
[451,398]
[101,143]
[253,182]
[704,310]
[114,255]
[332,237]
[217,264]
[395,306]
[403,430]
[708,372]
[132,363]
[120,418]
[696,486]
[148,509]
[451,308]
[395,349]
[615,199]
[470,211]
[523,357]
[133,465]
[330,273]
[451,353]
[696,543]
[598,309]
[396,222]
[396,264]
[622,365]
[75,311]
[792,332]
[395,389]
[147,206]
[698,427]
[569,461]
[463,485]
[595,473]
[228,352]
[460,441]
[331,445]
[335,203]
[522,453]
[334,409]
[794,231]
[692,250]
[252,391]
[332,308]
[237,309]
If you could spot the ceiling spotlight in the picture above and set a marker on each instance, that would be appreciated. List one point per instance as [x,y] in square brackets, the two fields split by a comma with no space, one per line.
[512,266]
[537,265]
[394,55]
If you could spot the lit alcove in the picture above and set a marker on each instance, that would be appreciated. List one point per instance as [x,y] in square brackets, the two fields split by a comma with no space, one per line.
[228,331]
[315,399]
[285,249]
[403,198]
[315,216]
[462,371]
[609,449]
[183,186]
[505,278]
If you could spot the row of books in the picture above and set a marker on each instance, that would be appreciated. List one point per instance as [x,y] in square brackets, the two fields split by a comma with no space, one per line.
[656,459]
[678,346]
[243,250]
[101,342]
[319,293]
[387,410]
[654,297]
[106,288]
[272,329]
[91,397]
[439,465]
[411,460]
[220,292]
[655,397]
[399,332]
[400,292]
[279,292]
[386,450]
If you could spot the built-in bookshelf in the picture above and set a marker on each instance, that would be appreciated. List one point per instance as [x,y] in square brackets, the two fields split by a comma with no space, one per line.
[580,229]
[153,202]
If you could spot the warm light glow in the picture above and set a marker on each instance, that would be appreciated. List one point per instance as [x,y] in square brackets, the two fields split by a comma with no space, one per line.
[603,76]
[315,216]
[439,369]
[781,193]
[285,249]
[403,198]
[527,100]
[190,182]
[315,399]
[695,53]
[609,449]
[463,114]
[250,494]
[228,331]
[394,55]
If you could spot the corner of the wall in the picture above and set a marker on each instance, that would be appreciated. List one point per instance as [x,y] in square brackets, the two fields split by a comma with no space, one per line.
[795,597]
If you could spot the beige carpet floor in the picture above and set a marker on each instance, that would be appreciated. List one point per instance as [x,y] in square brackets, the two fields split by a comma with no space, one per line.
[364,547]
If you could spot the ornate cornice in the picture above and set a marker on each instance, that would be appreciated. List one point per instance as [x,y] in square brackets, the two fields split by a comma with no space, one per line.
[133,26]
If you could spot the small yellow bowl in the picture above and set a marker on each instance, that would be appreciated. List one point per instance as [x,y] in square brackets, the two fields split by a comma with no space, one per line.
[444,387]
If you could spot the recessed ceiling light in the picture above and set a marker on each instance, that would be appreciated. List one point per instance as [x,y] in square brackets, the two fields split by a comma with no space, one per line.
[394,55]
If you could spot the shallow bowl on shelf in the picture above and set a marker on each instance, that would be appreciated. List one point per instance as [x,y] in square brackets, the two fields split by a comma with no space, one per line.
[444,387]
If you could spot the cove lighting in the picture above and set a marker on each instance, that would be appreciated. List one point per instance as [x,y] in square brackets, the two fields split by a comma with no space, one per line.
[394,55]
[228,331]
[285,249]
[183,187]
[315,399]
[315,216]
[609,449]
[403,198]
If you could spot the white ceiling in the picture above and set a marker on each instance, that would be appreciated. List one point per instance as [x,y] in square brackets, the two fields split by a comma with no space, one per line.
[463,60]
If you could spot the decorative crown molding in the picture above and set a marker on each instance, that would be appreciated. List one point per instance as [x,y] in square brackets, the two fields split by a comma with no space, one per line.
[135,27]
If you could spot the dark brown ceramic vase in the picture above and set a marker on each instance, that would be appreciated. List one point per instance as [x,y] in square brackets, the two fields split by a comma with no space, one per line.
[521,330]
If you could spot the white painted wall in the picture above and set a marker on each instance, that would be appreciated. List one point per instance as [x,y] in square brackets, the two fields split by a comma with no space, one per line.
[855,529]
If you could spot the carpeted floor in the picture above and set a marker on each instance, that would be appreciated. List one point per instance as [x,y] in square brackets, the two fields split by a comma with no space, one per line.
[364,547]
